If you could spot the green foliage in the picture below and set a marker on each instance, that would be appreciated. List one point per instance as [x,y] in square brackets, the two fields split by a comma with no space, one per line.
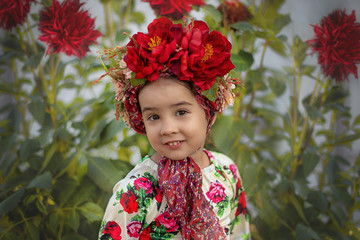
[61,157]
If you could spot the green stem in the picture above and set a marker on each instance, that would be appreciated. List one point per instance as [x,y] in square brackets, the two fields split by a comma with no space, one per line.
[235,47]
[108,22]
[32,36]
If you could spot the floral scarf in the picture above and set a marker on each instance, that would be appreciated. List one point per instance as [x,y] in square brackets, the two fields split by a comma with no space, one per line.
[181,183]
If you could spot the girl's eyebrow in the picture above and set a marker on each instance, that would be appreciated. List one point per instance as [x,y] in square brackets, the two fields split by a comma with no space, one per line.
[182,103]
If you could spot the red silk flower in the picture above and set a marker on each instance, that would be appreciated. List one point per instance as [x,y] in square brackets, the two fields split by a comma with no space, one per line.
[66,28]
[148,54]
[206,56]
[113,230]
[13,12]
[337,42]
[174,9]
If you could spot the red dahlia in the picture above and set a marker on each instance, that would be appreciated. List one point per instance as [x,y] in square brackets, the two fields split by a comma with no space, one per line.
[66,28]
[337,42]
[13,12]
[174,9]
[235,11]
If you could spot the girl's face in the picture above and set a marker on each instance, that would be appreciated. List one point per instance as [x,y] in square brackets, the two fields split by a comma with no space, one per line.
[175,123]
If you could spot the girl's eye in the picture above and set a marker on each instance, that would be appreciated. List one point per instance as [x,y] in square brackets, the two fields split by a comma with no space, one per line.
[153,117]
[181,112]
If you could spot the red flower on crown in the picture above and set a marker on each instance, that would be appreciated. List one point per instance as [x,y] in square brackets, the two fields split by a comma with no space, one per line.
[174,9]
[13,12]
[206,56]
[337,42]
[149,54]
[66,28]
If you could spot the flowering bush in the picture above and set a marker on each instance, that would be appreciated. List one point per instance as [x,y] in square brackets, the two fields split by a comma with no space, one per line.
[61,154]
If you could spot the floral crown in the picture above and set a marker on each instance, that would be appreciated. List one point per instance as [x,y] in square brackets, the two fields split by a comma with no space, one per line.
[190,53]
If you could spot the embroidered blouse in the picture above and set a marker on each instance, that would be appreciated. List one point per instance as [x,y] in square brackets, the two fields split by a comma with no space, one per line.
[138,210]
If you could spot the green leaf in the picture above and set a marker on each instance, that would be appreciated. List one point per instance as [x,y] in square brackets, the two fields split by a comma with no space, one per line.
[103,173]
[28,148]
[299,51]
[335,95]
[32,231]
[37,110]
[310,161]
[211,93]
[305,233]
[213,12]
[243,26]
[138,17]
[42,181]
[319,200]
[11,202]
[72,236]
[91,211]
[242,61]
[281,21]
[276,86]
[137,82]
[301,187]
[74,219]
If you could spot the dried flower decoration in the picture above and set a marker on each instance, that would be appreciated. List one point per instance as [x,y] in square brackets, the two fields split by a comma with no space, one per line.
[13,12]
[66,28]
[337,43]
[235,11]
[188,53]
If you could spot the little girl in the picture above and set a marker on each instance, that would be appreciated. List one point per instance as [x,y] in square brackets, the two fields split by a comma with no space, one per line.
[170,84]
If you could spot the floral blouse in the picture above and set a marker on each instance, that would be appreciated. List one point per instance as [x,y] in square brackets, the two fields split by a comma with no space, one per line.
[138,210]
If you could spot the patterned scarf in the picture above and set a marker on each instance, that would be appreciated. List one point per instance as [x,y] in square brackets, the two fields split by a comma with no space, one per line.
[181,183]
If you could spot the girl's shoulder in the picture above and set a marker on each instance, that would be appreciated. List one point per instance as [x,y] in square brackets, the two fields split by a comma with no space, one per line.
[220,158]
[145,171]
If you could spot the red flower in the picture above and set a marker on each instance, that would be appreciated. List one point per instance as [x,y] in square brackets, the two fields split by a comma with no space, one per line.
[206,56]
[113,230]
[216,192]
[174,9]
[241,208]
[66,28]
[170,224]
[129,203]
[149,54]
[159,196]
[133,229]
[145,235]
[144,183]
[337,42]
[233,170]
[235,11]
[13,12]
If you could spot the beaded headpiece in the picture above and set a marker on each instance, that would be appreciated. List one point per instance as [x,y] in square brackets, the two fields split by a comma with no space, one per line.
[188,53]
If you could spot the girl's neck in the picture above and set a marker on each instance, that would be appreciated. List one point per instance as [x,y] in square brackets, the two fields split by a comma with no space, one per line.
[202,159]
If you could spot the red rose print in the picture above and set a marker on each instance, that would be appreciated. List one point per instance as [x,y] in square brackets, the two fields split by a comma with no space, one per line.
[66,28]
[170,224]
[233,170]
[175,9]
[144,183]
[129,203]
[216,192]
[113,230]
[241,205]
[13,12]
[145,235]
[133,229]
[159,196]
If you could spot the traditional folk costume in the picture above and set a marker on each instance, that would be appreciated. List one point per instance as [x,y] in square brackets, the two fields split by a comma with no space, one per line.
[175,199]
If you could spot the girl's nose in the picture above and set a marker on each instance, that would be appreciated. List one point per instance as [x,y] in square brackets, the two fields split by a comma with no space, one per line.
[168,126]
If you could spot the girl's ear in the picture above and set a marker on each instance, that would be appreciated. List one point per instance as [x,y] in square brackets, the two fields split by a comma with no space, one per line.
[211,122]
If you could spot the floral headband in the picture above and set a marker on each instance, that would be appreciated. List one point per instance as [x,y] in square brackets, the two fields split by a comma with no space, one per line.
[190,53]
